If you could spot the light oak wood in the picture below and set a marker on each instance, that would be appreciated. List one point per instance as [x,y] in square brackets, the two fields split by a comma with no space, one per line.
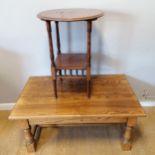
[112,101]
[76,14]
[85,140]
[127,143]
[29,139]
[76,121]
[111,97]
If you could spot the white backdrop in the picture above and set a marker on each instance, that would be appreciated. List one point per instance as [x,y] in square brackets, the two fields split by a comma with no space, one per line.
[123,42]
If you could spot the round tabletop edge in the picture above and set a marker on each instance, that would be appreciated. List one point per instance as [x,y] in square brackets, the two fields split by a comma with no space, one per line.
[44,17]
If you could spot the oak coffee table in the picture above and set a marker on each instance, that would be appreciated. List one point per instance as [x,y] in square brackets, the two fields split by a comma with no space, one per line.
[112,101]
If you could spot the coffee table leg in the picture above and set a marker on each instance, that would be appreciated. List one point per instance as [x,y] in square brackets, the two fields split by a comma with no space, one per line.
[127,140]
[29,140]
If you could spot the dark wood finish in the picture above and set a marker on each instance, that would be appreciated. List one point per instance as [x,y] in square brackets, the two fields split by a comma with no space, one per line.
[64,62]
[58,42]
[112,101]
[50,42]
[58,37]
[89,30]
[71,61]
[53,69]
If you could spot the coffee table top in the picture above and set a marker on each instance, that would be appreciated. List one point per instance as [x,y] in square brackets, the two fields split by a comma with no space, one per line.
[76,14]
[111,96]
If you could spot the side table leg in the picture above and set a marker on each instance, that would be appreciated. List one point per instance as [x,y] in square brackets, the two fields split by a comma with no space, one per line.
[29,140]
[127,140]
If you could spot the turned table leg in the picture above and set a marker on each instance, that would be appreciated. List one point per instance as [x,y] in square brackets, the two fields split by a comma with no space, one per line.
[126,144]
[29,140]
[127,140]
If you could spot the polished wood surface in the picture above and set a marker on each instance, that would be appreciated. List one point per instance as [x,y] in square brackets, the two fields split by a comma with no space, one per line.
[75,14]
[112,101]
[111,97]
[70,61]
[82,140]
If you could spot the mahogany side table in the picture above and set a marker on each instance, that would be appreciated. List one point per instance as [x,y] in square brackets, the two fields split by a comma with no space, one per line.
[66,64]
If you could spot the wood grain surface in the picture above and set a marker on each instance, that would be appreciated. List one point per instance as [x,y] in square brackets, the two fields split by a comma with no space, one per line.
[82,140]
[75,14]
[71,61]
[111,97]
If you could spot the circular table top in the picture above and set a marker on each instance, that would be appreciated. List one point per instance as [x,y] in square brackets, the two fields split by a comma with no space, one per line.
[76,14]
